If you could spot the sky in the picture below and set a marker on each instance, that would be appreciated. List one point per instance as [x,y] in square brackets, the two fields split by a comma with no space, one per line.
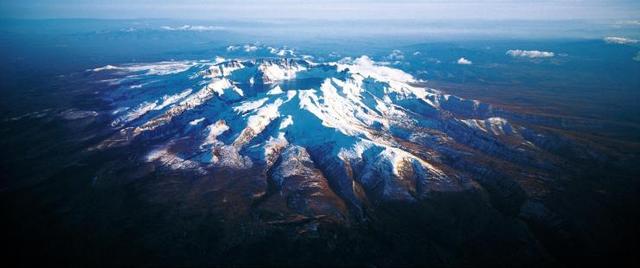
[325,9]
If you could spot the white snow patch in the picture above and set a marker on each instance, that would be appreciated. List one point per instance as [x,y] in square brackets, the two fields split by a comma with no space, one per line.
[171,99]
[213,131]
[278,72]
[172,161]
[291,94]
[494,125]
[275,91]
[247,106]
[272,146]
[287,121]
[136,113]
[223,69]
[225,89]
[282,52]
[196,122]
[368,68]
[264,116]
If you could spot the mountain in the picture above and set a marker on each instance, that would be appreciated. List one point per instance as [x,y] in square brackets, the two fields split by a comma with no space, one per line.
[302,145]
[356,130]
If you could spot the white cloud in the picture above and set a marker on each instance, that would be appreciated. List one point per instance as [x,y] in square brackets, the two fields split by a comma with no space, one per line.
[193,28]
[629,22]
[620,40]
[250,48]
[530,53]
[463,61]
[282,52]
[395,55]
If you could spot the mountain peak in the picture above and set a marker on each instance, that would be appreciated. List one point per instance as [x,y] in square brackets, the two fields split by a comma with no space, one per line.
[352,124]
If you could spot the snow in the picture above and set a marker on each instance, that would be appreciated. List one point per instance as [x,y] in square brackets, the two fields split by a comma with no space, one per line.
[291,94]
[229,156]
[171,99]
[288,121]
[224,68]
[355,110]
[196,122]
[189,102]
[172,161]
[213,131]
[247,106]
[275,90]
[494,125]
[367,68]
[273,146]
[282,52]
[264,116]
[136,113]
[279,71]
[225,89]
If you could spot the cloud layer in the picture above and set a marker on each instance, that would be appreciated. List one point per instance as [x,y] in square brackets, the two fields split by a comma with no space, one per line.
[193,28]
[620,40]
[530,53]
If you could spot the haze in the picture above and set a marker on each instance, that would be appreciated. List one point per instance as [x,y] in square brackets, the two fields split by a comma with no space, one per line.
[325,10]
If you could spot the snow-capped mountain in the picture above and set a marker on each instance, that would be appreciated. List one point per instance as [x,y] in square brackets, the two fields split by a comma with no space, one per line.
[334,137]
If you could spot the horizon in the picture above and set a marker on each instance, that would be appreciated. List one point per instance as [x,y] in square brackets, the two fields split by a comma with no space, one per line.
[591,10]
[432,29]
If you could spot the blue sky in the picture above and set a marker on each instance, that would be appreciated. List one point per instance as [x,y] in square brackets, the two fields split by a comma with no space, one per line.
[327,9]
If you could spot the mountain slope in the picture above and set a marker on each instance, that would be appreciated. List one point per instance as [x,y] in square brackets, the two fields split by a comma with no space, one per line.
[361,131]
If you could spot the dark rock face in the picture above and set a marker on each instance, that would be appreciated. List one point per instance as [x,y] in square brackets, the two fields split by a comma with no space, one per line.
[299,192]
